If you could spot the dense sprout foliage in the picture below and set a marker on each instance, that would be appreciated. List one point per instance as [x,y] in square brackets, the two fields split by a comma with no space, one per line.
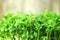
[22,26]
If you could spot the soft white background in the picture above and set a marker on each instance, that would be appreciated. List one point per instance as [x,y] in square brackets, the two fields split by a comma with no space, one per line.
[34,6]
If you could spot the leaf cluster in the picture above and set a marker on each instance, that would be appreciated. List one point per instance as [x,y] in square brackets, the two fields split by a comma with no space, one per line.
[45,26]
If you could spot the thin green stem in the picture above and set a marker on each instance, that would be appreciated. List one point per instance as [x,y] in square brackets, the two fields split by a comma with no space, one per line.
[59,37]
[55,38]
[49,37]
[38,34]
